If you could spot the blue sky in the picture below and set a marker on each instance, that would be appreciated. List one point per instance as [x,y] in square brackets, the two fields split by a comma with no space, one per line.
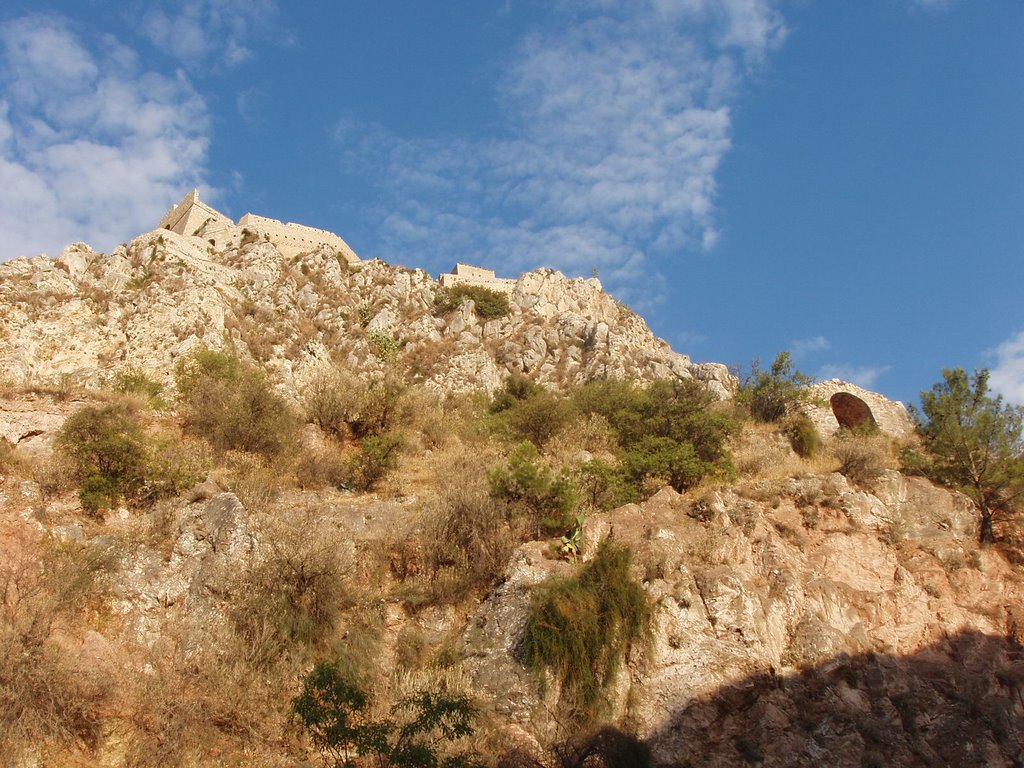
[841,179]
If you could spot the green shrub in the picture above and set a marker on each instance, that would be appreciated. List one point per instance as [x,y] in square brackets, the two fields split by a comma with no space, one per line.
[665,459]
[803,437]
[232,406]
[527,411]
[581,628]
[975,444]
[378,456]
[341,403]
[769,395]
[384,345]
[667,430]
[489,304]
[132,381]
[604,485]
[515,389]
[106,448]
[548,500]
[419,729]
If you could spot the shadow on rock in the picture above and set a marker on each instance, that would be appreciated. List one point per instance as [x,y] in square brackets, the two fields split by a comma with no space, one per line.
[957,702]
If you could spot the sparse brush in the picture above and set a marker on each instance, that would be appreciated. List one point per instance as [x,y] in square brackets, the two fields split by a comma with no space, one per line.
[803,436]
[256,483]
[232,406]
[343,404]
[44,697]
[290,597]
[581,628]
[863,458]
[468,542]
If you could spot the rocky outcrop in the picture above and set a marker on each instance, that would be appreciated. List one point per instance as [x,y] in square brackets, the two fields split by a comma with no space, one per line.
[759,586]
[86,315]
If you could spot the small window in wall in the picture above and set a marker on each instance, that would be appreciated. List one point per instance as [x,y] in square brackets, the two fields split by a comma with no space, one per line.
[850,411]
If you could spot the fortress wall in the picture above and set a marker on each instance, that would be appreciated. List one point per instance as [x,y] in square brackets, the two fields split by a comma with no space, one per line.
[473,273]
[222,233]
[292,239]
[191,214]
[501,284]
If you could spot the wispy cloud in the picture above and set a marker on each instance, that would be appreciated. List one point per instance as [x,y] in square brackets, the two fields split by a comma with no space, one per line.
[617,117]
[1007,376]
[93,146]
[803,347]
[864,376]
[199,32]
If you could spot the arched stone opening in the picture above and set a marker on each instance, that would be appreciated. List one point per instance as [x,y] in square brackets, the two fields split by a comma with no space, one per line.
[850,411]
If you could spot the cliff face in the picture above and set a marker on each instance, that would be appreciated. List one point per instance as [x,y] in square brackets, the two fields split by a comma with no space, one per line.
[86,314]
[798,622]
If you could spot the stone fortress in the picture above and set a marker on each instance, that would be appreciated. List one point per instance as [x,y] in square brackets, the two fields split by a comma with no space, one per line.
[193,217]
[464,274]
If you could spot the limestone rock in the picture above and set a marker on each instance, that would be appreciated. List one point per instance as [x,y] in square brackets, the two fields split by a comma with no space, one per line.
[86,315]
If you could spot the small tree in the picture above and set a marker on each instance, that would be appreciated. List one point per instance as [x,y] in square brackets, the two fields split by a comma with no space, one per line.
[107,451]
[974,443]
[336,714]
[769,394]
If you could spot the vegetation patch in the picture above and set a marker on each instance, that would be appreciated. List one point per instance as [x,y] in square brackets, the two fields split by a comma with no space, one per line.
[581,628]
[232,406]
[770,395]
[489,303]
[418,731]
[547,499]
[974,443]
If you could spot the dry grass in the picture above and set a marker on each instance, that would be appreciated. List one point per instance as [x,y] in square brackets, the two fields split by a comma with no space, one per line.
[761,451]
[46,700]
[863,458]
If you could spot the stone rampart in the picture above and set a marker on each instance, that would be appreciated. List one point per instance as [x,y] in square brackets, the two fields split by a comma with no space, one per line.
[291,239]
[193,217]
[464,274]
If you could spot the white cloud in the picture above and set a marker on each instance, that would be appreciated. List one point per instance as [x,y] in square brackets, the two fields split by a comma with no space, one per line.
[864,376]
[617,117]
[92,147]
[804,347]
[200,31]
[1007,377]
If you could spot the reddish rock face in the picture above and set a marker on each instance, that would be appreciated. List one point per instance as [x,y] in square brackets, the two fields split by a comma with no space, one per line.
[850,411]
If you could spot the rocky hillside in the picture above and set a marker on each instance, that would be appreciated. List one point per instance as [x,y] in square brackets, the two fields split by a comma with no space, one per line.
[173,567]
[147,304]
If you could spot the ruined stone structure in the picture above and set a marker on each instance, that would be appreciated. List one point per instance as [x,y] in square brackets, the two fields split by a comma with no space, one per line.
[835,404]
[464,274]
[195,218]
